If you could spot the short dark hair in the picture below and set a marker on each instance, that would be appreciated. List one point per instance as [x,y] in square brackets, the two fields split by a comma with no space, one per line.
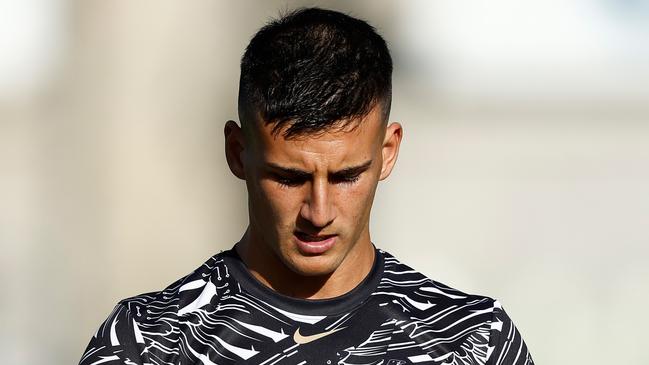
[313,69]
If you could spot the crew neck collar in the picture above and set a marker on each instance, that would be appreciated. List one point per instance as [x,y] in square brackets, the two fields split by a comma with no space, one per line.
[330,306]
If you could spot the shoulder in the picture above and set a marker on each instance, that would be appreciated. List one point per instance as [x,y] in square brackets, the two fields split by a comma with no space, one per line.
[415,292]
[150,322]
[203,286]
[475,321]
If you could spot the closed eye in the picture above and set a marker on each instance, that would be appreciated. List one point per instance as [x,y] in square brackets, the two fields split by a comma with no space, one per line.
[289,181]
[344,179]
[292,177]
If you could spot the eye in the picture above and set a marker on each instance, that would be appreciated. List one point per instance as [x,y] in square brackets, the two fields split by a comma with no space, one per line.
[351,179]
[286,182]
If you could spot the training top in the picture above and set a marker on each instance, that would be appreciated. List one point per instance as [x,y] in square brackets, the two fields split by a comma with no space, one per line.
[220,314]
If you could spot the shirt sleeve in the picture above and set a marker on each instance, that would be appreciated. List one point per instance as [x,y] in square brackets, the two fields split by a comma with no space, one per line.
[117,341]
[506,346]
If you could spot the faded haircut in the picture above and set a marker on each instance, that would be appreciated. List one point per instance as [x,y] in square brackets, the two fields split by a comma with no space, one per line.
[312,70]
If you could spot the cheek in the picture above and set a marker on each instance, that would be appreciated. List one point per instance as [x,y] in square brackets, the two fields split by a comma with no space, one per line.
[283,204]
[356,201]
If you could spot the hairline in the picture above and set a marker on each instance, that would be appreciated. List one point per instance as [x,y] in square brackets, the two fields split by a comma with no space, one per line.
[247,111]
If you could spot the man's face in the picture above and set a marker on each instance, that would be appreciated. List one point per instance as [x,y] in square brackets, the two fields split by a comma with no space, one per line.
[310,197]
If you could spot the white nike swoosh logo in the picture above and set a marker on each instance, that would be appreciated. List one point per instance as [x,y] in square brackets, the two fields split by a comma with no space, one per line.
[299,339]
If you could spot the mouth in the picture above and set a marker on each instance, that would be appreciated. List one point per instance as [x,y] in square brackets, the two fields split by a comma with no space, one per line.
[314,244]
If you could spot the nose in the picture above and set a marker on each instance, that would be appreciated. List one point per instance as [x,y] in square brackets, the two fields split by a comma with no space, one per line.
[318,208]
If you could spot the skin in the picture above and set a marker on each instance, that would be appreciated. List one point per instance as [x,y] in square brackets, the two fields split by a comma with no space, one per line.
[314,185]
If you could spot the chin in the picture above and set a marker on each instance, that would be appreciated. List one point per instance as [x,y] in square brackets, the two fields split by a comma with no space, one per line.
[320,265]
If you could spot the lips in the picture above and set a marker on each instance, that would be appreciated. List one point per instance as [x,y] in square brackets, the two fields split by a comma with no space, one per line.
[314,244]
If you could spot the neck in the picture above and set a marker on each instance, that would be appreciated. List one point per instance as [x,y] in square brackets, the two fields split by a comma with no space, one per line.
[269,269]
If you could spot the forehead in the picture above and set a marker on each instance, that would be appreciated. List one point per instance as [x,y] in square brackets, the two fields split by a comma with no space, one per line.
[347,143]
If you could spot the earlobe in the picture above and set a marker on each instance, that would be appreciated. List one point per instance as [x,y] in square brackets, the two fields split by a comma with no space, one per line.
[234,146]
[390,148]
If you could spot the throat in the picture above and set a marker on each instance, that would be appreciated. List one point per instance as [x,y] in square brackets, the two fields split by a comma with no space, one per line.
[272,271]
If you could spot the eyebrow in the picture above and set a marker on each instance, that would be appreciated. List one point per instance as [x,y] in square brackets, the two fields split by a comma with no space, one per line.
[347,171]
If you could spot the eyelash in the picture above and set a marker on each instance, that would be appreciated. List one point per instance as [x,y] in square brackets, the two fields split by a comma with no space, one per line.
[349,180]
[287,183]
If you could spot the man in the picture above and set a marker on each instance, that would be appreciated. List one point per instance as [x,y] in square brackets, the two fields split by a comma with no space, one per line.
[305,284]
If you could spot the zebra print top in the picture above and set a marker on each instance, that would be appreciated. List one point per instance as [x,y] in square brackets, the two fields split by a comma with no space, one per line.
[219,314]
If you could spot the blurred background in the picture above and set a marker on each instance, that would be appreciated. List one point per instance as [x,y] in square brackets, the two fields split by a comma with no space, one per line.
[523,175]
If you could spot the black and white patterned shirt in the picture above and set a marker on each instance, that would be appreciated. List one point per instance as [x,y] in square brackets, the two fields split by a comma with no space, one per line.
[220,314]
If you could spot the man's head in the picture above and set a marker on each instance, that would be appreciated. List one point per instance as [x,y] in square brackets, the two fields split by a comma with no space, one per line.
[314,101]
[313,69]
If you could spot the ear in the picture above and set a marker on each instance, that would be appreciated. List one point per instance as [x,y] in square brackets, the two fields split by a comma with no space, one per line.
[234,146]
[390,148]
